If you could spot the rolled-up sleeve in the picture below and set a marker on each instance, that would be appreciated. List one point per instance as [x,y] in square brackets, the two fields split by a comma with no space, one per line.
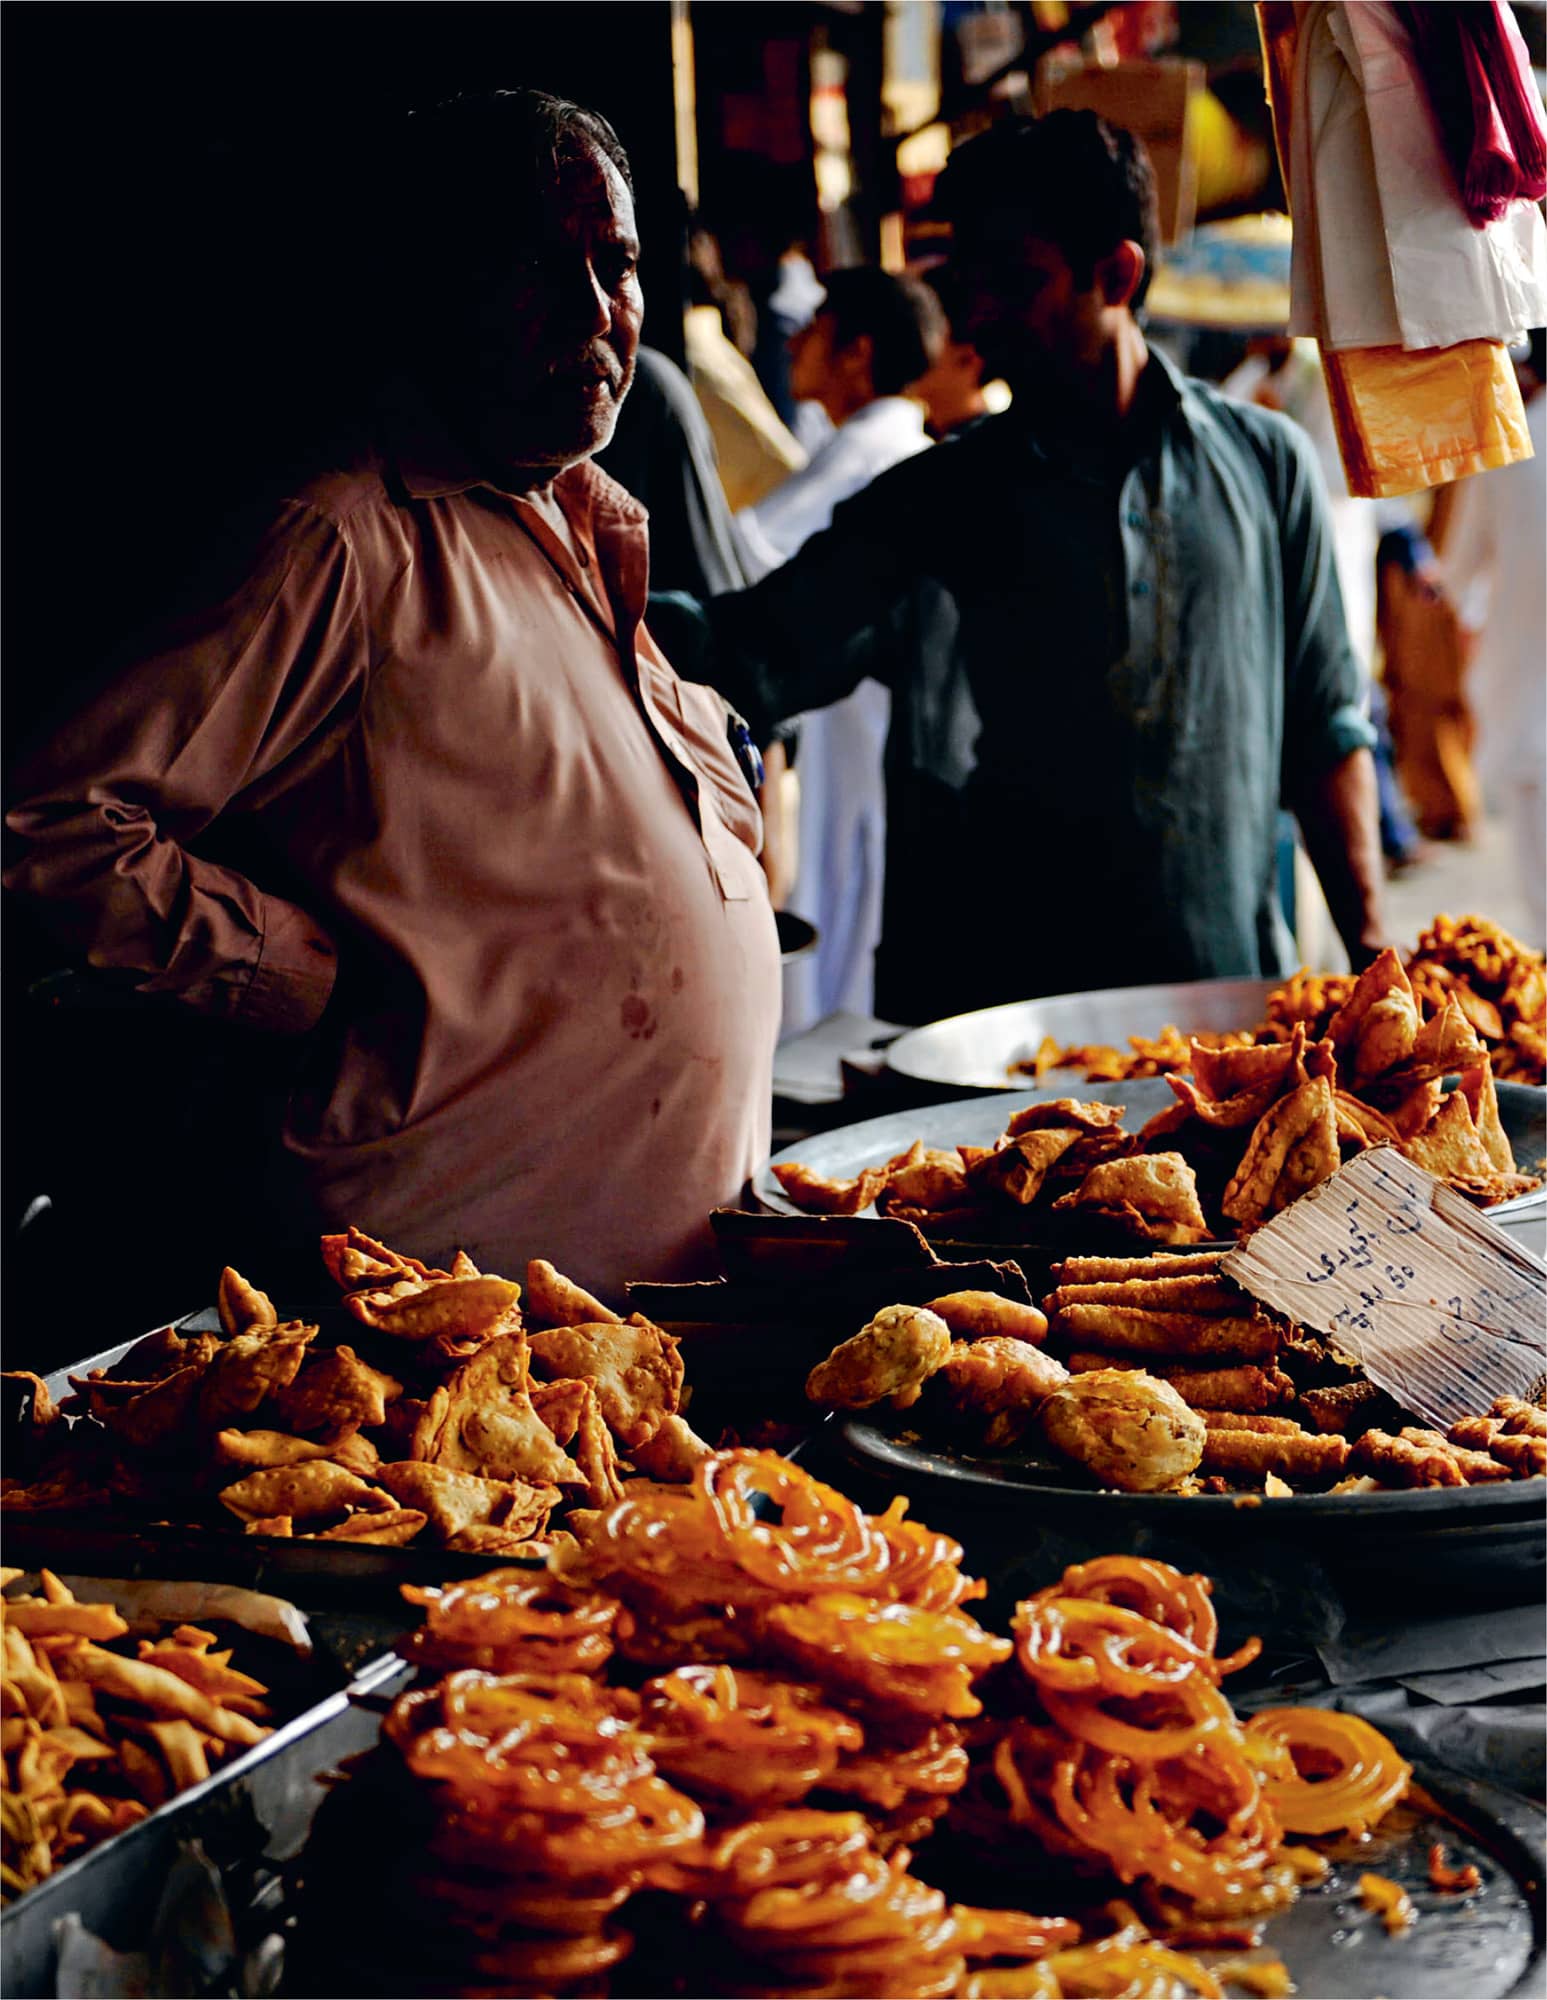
[104,820]
[1326,697]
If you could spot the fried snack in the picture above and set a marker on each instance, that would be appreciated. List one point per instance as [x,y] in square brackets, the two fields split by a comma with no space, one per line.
[392,1528]
[559,1301]
[263,1450]
[927,1177]
[673,1451]
[1376,1027]
[995,1387]
[1248,1388]
[1518,1416]
[636,1369]
[1450,1146]
[241,1306]
[512,1622]
[335,1392]
[891,1357]
[1140,1763]
[1117,1270]
[1125,1427]
[973,1315]
[1478,1468]
[1448,1881]
[354,1259]
[245,1370]
[1302,1457]
[316,1490]
[1192,1293]
[1153,1195]
[1365,1781]
[1236,1337]
[461,1308]
[815,1194]
[71,1774]
[893,1656]
[481,1420]
[1016,1168]
[1482,1098]
[452,1501]
[1347,1408]
[1292,1149]
[1224,1073]
[1063,1112]
[741,1736]
[1401,1461]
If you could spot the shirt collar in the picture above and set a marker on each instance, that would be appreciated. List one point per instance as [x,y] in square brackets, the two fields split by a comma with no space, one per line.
[431,465]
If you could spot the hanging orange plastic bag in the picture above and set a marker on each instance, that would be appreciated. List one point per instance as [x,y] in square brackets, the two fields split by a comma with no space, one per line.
[1410,419]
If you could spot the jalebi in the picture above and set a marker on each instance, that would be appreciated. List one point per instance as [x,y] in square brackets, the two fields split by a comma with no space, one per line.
[1344,1774]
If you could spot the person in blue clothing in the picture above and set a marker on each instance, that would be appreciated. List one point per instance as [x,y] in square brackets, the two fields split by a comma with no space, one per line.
[1146,614]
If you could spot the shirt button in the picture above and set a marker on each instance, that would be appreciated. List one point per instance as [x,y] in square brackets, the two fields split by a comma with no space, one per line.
[1141,589]
[1136,520]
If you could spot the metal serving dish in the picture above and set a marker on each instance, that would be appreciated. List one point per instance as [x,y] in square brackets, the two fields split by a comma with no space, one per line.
[248,1817]
[979,1050]
[1286,1569]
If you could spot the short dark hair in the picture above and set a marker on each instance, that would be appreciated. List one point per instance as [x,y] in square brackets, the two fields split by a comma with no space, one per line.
[458,157]
[1073,179]
[901,316]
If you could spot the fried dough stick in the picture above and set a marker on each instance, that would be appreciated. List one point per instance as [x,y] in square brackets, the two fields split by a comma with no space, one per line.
[1295,1455]
[1131,1330]
[1250,1389]
[1114,1270]
[1195,1293]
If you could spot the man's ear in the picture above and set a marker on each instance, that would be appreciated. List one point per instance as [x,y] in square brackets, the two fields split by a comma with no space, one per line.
[1121,272]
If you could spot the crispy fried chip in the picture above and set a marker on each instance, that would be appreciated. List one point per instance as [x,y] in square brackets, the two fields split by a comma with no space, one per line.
[1091,1116]
[153,1687]
[481,1420]
[637,1370]
[259,1450]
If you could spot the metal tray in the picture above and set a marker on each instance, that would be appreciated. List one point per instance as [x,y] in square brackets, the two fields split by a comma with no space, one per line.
[977,1050]
[256,1809]
[978,1121]
[327,1575]
[1285,1568]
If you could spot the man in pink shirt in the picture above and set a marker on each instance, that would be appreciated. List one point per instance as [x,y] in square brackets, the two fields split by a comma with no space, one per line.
[422,792]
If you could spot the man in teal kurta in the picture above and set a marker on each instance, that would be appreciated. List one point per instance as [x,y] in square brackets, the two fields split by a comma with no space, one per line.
[1146,620]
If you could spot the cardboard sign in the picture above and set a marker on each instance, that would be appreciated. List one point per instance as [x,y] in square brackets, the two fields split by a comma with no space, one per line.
[1444,1311]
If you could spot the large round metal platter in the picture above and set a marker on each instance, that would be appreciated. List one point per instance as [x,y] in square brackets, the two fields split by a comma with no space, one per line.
[1288,1569]
[978,1121]
[979,1050]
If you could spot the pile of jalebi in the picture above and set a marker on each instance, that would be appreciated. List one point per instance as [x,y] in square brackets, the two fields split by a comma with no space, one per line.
[746,1825]
[1132,1762]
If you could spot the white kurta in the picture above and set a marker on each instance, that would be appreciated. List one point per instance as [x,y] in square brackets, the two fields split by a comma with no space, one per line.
[840,868]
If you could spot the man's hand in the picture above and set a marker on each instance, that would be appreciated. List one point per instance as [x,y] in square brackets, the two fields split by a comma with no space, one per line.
[1339,817]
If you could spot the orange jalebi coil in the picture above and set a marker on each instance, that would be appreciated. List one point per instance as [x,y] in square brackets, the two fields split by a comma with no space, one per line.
[740,1735]
[512,1622]
[1344,1775]
[752,1529]
[886,1774]
[891,1655]
[1145,1765]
